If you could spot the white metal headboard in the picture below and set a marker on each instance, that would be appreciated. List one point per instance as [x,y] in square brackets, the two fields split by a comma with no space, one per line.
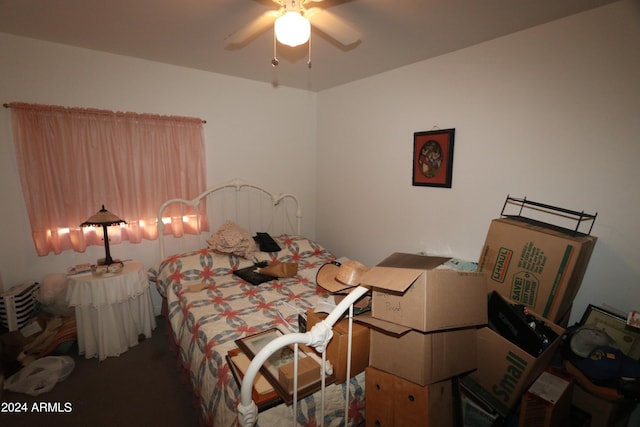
[243,210]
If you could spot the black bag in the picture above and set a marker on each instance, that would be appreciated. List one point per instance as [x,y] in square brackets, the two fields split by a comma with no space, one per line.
[266,242]
[250,275]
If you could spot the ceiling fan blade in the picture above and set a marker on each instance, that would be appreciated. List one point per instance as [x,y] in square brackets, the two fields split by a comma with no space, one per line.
[269,3]
[325,3]
[253,30]
[332,25]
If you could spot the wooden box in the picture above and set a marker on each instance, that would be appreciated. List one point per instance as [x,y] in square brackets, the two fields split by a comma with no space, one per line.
[395,402]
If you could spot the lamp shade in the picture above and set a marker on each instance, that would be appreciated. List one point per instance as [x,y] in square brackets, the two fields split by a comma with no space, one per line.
[102,217]
[292,29]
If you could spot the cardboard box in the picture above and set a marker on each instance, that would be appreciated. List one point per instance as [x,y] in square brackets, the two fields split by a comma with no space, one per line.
[504,370]
[421,357]
[393,402]
[308,373]
[510,321]
[337,348]
[535,264]
[415,291]
[547,403]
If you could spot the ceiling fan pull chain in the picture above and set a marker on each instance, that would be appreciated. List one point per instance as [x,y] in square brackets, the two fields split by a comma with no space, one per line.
[274,61]
[309,60]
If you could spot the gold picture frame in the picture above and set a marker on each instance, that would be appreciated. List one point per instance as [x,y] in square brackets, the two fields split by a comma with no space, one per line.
[627,338]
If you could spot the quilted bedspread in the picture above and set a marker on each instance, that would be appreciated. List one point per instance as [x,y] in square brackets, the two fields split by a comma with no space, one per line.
[209,308]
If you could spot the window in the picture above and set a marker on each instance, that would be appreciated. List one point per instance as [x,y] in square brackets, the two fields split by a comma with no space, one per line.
[73,160]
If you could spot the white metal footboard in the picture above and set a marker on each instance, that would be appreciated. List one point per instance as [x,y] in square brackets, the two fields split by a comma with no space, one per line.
[318,337]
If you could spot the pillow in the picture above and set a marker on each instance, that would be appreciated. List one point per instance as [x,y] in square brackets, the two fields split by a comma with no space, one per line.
[232,239]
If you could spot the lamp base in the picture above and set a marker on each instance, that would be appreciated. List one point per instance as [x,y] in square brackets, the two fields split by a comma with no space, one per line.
[103,261]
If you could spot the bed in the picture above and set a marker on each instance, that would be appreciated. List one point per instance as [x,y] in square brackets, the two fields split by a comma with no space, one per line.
[208,308]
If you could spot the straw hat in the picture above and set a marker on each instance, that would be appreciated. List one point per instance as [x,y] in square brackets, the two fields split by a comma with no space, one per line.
[336,277]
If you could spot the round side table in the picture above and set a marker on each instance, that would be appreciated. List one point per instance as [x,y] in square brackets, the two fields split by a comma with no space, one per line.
[112,310]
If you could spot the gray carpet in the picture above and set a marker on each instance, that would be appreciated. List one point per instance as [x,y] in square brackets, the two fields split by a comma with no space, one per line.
[142,387]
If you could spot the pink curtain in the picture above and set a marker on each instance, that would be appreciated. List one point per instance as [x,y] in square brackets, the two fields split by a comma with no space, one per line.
[72,161]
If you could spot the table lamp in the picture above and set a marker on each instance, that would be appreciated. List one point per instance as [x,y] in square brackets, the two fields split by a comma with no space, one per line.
[104,218]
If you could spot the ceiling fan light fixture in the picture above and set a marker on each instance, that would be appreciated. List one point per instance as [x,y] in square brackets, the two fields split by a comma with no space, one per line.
[292,29]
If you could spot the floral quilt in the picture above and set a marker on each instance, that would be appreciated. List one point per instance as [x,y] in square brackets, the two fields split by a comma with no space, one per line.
[209,308]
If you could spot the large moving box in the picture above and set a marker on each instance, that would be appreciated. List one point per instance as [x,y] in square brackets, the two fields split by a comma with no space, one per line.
[505,370]
[417,292]
[535,264]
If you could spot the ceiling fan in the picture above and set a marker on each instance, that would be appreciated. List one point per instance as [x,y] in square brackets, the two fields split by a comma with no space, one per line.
[295,12]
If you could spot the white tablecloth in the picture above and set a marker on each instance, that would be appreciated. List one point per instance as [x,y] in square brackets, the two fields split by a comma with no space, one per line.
[112,311]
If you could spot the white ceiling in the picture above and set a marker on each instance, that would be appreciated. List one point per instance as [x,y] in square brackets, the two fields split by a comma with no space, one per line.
[192,33]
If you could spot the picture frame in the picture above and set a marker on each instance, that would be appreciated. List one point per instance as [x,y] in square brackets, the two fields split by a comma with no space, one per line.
[627,338]
[251,346]
[433,158]
[263,399]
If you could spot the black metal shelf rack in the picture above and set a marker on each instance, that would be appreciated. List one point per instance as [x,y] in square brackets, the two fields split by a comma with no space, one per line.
[524,207]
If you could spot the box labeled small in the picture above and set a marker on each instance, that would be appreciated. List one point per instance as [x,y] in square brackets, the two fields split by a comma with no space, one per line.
[505,370]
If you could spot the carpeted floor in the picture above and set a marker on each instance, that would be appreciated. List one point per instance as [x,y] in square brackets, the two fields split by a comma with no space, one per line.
[142,387]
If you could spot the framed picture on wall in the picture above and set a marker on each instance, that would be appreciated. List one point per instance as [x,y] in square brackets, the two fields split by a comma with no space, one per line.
[433,158]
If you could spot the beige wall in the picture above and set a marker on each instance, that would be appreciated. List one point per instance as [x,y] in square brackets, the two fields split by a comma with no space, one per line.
[550,113]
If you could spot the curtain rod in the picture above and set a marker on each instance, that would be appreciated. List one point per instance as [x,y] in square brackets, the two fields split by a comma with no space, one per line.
[6,105]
